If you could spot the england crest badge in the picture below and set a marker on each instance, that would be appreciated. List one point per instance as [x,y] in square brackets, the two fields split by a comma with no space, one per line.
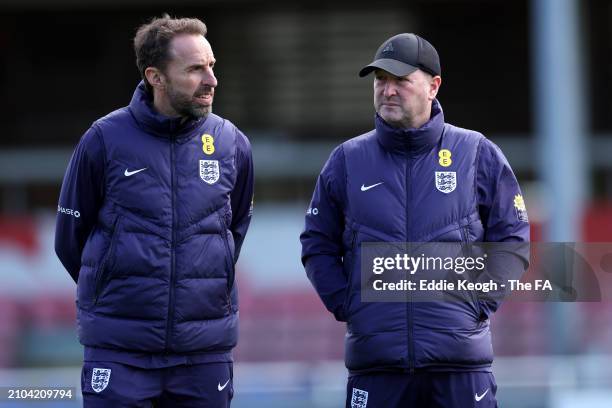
[209,171]
[446,181]
[100,378]
[359,398]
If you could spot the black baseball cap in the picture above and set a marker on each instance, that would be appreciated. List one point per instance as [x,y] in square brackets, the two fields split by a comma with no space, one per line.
[403,54]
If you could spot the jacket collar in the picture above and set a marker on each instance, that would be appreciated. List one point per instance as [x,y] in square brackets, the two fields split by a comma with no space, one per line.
[160,125]
[415,140]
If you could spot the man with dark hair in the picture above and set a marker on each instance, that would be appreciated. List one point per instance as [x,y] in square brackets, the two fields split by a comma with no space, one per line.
[153,210]
[413,179]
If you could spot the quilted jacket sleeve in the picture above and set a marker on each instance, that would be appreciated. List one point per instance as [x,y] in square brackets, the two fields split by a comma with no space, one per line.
[322,249]
[80,199]
[504,218]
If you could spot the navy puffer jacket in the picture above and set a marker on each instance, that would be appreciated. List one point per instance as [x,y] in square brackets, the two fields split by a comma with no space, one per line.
[381,187]
[163,208]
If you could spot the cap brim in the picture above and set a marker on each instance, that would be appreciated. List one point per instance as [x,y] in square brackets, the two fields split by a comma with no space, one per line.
[392,66]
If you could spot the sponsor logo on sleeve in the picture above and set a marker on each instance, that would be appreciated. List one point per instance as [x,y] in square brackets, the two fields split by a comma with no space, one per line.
[312,211]
[521,210]
[68,211]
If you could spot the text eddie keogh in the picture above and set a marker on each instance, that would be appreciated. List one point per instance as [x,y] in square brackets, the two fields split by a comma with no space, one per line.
[412,264]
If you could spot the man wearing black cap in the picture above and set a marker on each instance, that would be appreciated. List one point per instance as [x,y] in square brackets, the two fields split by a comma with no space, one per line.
[414,178]
[412,66]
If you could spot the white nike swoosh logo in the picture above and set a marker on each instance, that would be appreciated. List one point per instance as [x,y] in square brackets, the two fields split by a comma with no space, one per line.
[131,173]
[221,387]
[364,188]
[479,397]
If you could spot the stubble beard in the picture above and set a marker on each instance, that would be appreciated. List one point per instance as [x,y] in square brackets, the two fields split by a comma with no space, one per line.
[185,106]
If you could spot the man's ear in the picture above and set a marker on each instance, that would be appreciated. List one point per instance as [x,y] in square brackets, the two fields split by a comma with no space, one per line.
[434,86]
[155,77]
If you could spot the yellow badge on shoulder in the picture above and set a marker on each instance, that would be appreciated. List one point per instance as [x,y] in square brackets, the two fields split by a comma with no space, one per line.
[208,144]
[445,158]
[519,203]
[521,210]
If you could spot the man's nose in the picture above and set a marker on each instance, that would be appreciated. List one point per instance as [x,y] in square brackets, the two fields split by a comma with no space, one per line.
[209,78]
[389,89]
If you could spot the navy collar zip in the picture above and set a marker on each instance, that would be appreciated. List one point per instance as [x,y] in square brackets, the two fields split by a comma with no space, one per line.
[412,140]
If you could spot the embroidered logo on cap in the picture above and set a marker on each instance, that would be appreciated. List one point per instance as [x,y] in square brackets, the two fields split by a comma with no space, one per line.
[388,48]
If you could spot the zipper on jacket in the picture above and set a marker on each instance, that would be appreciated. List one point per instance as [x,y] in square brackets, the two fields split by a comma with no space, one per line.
[465,234]
[467,251]
[229,261]
[409,304]
[347,299]
[101,273]
[172,247]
